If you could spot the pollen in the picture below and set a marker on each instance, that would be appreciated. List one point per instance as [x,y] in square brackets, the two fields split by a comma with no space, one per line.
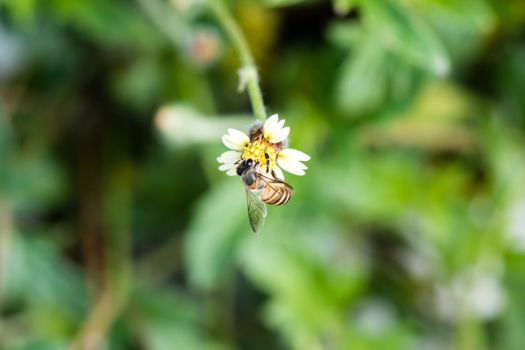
[263,152]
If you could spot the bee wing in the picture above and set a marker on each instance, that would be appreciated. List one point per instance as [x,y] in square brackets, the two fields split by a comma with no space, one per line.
[256,210]
[269,181]
[276,192]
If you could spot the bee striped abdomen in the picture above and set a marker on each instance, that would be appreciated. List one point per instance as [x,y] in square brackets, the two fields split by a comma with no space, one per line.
[276,194]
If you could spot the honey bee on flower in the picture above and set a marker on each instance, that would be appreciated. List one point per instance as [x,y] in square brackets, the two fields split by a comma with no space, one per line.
[258,158]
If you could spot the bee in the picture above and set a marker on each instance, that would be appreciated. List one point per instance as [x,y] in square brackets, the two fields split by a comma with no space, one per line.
[261,190]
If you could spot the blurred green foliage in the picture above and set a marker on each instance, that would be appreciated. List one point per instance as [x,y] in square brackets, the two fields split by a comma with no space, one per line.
[408,231]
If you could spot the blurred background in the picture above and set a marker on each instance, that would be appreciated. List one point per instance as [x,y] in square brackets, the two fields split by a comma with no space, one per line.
[117,231]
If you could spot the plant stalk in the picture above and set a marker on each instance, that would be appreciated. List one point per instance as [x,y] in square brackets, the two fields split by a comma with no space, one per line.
[248,75]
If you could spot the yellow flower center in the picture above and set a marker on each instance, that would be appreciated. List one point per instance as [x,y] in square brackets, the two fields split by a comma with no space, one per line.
[261,151]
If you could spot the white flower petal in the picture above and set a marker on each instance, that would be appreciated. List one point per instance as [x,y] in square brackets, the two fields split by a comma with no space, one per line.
[273,129]
[226,166]
[238,137]
[278,173]
[235,139]
[275,132]
[280,136]
[279,125]
[296,168]
[232,172]
[290,160]
[229,157]
[299,165]
[226,141]
[294,154]
[270,122]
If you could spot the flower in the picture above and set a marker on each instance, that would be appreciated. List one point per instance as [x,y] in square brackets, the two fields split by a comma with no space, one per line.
[266,146]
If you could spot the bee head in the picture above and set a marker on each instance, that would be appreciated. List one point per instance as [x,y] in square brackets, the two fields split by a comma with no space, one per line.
[245,164]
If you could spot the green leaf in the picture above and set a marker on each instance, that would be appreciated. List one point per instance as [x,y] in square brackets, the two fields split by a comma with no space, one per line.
[168,317]
[283,2]
[38,275]
[219,223]
[36,181]
[21,10]
[293,261]
[363,84]
[137,85]
[346,34]
[5,148]
[407,33]
[343,7]
[110,23]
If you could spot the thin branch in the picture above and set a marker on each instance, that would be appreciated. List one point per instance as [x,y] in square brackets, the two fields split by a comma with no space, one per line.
[248,75]
[6,229]
[115,294]
[92,336]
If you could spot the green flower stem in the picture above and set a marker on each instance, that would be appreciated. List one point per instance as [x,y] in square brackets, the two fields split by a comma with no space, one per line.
[248,72]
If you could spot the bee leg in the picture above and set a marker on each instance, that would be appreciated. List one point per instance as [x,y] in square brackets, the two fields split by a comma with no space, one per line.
[267,156]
